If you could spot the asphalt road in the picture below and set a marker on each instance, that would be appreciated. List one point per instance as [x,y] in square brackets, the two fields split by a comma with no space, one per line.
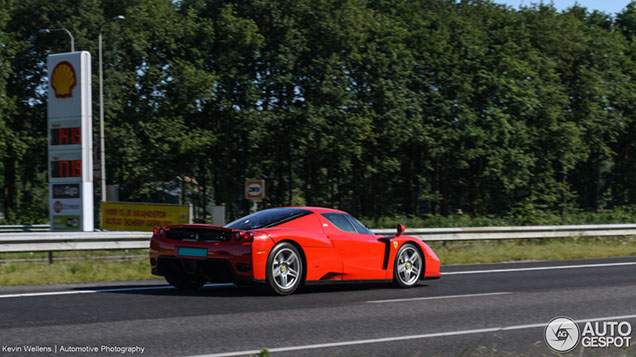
[483,310]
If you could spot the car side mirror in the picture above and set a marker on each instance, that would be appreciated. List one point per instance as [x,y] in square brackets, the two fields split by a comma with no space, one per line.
[400,230]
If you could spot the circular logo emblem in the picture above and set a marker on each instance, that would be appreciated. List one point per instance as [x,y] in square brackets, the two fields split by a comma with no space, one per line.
[57,206]
[562,334]
[254,189]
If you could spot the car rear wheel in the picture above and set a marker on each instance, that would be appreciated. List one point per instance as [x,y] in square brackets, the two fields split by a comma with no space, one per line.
[284,269]
[408,266]
[185,282]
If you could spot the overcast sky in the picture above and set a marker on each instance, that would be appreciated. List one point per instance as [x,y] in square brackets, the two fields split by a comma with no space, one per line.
[608,6]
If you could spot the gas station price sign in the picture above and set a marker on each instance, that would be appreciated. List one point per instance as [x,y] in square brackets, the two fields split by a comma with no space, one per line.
[66,168]
[66,136]
[69,131]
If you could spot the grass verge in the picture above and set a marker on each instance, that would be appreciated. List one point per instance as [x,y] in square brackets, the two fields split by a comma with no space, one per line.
[87,267]
[82,267]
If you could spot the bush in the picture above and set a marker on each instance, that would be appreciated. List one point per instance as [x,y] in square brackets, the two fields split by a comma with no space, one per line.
[517,217]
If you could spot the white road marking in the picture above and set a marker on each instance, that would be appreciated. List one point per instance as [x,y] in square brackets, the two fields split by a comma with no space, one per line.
[74,292]
[437,297]
[537,268]
[411,337]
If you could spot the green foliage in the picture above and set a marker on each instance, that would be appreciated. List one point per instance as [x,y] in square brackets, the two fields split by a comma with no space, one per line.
[382,108]
[519,216]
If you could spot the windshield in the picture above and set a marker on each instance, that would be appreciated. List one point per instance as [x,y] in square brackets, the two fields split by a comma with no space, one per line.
[267,218]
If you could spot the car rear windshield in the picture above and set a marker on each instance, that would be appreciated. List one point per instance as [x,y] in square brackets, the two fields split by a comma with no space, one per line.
[267,218]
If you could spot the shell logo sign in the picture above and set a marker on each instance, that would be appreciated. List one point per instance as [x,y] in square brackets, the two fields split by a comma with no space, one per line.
[70,144]
[63,80]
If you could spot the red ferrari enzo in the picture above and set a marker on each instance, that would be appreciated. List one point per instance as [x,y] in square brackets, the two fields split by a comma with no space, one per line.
[287,247]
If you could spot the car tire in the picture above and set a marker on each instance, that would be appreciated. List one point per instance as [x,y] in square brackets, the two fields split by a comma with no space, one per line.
[185,282]
[408,266]
[285,269]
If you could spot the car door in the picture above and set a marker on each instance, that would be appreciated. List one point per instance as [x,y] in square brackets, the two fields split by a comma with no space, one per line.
[361,253]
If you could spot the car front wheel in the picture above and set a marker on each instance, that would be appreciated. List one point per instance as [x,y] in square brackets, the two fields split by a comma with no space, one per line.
[408,266]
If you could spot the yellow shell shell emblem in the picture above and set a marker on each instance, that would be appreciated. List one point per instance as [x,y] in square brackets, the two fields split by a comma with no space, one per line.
[395,244]
[63,80]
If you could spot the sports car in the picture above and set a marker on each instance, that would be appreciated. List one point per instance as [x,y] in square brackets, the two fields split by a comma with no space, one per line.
[285,248]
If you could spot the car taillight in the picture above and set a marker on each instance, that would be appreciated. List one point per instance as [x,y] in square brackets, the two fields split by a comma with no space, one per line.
[244,236]
[159,232]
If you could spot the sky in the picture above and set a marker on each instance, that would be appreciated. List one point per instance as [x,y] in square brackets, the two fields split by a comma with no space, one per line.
[608,6]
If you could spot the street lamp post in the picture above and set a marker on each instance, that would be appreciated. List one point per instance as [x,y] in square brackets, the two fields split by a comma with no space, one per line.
[62,29]
[102,154]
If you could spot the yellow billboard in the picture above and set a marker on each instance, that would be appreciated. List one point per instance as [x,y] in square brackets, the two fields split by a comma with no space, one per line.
[126,216]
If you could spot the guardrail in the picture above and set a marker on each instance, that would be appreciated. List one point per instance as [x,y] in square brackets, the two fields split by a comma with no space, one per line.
[63,241]
[25,228]
[66,241]
[519,232]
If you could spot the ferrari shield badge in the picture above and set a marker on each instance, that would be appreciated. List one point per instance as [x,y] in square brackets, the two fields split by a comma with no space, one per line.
[395,244]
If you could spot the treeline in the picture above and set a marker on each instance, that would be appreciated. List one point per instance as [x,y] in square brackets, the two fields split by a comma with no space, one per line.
[379,107]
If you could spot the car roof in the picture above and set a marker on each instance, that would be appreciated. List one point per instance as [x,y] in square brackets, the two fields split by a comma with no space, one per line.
[317,209]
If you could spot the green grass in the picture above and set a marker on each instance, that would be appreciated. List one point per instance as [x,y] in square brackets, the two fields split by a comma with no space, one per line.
[88,267]
[82,269]
[74,254]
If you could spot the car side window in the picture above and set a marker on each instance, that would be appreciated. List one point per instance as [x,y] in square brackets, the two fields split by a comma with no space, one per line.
[361,228]
[340,221]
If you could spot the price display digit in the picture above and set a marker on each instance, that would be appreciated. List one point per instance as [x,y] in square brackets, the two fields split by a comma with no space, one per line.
[66,168]
[66,136]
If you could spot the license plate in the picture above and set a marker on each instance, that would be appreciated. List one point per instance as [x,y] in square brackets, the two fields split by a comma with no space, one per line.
[193,252]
